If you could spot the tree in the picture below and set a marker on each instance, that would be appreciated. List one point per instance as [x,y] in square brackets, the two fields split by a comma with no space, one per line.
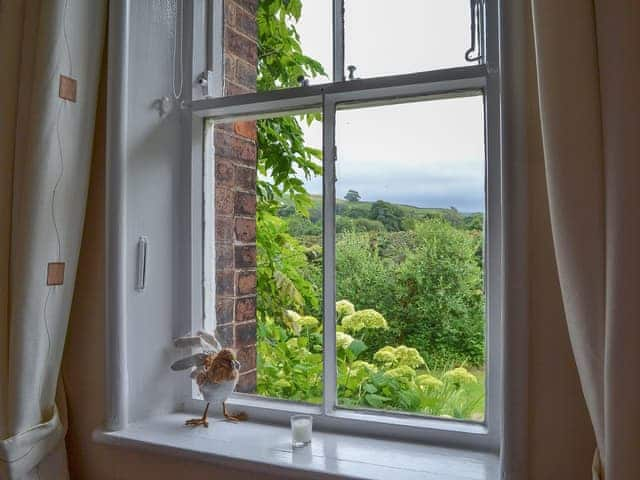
[281,153]
[352,196]
[390,215]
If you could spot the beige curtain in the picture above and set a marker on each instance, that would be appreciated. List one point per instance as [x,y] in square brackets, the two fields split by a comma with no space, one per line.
[50,55]
[588,68]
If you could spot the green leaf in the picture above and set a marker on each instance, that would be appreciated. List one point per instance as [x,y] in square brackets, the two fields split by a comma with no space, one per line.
[375,400]
[357,347]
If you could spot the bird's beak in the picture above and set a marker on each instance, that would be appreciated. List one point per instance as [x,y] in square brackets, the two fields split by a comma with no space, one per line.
[235,364]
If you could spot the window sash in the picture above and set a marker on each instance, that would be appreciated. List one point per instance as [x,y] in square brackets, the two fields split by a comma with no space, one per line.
[473,79]
[214,48]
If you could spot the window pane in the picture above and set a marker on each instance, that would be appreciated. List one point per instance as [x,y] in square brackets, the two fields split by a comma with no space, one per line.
[405,36]
[276,44]
[409,257]
[273,228]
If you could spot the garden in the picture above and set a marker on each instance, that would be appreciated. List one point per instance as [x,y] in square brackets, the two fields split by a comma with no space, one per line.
[410,316]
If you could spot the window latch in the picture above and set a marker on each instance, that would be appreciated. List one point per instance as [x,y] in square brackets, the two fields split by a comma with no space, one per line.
[352,72]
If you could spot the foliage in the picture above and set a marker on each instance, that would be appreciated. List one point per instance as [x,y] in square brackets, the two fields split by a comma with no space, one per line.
[352,196]
[282,152]
[420,269]
[389,215]
[281,263]
[289,363]
[429,289]
[281,61]
[353,225]
[440,283]
[290,366]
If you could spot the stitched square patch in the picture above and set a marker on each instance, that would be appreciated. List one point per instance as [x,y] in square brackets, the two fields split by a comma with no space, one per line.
[55,273]
[68,88]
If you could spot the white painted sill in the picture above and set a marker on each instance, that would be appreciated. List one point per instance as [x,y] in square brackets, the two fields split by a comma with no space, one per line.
[266,448]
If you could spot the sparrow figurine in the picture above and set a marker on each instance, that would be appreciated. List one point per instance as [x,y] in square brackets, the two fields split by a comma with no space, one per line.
[215,370]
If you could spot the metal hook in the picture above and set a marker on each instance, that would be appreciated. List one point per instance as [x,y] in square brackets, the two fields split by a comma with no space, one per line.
[475,12]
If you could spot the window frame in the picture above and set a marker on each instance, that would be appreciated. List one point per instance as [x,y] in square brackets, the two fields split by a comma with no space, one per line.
[199,111]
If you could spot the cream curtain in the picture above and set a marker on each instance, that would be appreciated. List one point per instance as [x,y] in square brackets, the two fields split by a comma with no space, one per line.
[50,56]
[588,68]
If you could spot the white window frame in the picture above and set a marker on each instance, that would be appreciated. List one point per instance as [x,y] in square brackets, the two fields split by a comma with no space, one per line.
[506,241]
[443,83]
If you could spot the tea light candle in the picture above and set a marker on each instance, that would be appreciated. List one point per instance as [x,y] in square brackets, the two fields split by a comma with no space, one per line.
[301,426]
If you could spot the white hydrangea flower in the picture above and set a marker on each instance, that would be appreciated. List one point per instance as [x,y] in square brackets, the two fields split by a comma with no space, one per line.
[344,308]
[343,340]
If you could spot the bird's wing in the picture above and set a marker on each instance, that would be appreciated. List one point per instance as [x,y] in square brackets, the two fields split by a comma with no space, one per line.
[188,341]
[210,340]
[195,360]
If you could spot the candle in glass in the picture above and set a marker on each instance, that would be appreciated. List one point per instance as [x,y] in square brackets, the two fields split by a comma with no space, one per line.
[301,430]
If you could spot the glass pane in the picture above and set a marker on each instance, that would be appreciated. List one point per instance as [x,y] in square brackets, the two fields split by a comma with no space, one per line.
[409,257]
[272,228]
[273,44]
[405,36]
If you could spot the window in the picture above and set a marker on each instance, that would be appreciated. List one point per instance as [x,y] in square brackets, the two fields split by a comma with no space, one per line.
[433,35]
[352,217]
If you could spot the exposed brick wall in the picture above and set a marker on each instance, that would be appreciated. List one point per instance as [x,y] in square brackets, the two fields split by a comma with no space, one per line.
[240,47]
[235,191]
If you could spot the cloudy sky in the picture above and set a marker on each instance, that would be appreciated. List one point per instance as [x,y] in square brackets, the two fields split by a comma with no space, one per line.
[428,154]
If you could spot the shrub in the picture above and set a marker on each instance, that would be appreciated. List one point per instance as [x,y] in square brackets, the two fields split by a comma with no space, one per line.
[440,283]
[432,299]
[290,366]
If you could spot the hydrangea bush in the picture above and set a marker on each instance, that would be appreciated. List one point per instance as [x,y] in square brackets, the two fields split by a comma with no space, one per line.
[394,377]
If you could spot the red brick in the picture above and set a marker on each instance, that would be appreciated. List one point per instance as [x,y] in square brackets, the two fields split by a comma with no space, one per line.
[246,283]
[245,334]
[223,126]
[246,75]
[245,204]
[230,9]
[224,310]
[245,230]
[236,148]
[225,283]
[235,89]
[250,6]
[246,129]
[224,228]
[224,256]
[240,46]
[245,256]
[245,178]
[229,66]
[224,173]
[246,23]
[246,311]
[247,357]
[225,335]
[247,383]
[224,201]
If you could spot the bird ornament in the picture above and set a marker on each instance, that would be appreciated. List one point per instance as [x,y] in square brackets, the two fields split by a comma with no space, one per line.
[214,369]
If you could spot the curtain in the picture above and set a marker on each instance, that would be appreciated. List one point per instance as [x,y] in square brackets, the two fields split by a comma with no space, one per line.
[50,55]
[588,70]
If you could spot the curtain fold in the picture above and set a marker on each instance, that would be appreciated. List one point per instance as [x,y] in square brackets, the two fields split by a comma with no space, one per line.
[588,71]
[50,52]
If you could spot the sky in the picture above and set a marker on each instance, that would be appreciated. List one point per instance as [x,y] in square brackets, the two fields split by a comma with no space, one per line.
[427,154]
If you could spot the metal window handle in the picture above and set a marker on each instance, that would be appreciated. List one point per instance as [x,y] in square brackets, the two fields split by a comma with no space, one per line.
[476,22]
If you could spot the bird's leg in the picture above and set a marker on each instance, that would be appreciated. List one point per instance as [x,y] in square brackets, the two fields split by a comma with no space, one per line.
[195,422]
[238,417]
